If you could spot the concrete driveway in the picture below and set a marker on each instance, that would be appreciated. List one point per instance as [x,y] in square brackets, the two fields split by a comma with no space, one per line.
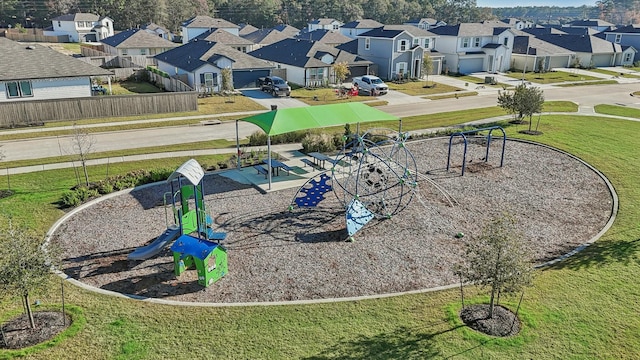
[267,100]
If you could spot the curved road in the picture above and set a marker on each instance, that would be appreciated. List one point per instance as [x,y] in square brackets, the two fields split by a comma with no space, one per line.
[585,96]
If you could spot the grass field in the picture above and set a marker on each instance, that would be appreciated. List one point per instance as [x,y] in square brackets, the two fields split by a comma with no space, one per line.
[584,307]
[551,77]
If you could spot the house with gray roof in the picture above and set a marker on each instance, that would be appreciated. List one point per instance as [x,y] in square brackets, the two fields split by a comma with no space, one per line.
[157,30]
[354,28]
[35,72]
[288,30]
[81,27]
[329,37]
[595,24]
[227,38]
[246,29]
[425,23]
[475,47]
[309,63]
[201,23]
[517,23]
[591,51]
[398,50]
[136,42]
[532,54]
[199,64]
[625,36]
[324,24]
[264,37]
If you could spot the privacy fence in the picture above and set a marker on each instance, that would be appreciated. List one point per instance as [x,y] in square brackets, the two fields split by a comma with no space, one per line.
[31,113]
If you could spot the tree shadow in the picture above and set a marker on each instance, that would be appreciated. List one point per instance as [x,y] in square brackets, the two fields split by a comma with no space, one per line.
[402,343]
[601,253]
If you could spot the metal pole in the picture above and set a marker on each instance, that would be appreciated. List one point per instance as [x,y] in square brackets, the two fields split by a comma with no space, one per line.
[269,158]
[238,145]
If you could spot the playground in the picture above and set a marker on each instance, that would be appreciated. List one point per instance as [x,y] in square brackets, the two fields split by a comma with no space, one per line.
[277,255]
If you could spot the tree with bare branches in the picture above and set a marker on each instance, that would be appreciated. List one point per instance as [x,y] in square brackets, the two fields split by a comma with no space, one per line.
[83,146]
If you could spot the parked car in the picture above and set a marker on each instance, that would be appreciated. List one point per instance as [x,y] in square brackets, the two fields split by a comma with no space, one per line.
[98,89]
[276,86]
[371,85]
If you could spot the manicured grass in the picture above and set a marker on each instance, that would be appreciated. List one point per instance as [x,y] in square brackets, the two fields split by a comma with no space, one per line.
[615,73]
[449,96]
[323,96]
[559,106]
[617,110]
[551,77]
[475,81]
[584,307]
[416,88]
[132,87]
[594,82]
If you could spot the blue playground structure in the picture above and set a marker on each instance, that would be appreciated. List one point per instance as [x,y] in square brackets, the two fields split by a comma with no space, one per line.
[464,137]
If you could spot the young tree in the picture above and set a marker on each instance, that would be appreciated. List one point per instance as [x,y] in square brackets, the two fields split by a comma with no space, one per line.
[24,264]
[227,81]
[341,70]
[499,258]
[83,145]
[523,101]
[427,66]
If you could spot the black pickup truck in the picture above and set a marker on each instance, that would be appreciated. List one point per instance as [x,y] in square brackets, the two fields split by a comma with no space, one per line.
[274,85]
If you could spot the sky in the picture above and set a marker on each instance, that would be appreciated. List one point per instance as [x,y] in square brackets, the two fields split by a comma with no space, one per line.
[514,3]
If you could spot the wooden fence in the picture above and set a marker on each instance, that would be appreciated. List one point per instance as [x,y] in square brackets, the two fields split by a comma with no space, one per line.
[33,35]
[30,113]
[168,84]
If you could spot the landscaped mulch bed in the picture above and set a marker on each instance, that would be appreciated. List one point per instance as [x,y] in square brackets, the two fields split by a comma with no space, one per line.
[18,334]
[277,255]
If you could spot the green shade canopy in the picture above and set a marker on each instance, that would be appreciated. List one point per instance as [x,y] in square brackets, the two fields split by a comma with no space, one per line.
[282,121]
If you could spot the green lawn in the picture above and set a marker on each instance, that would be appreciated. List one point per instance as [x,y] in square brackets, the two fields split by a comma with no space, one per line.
[584,307]
[551,77]
[615,73]
[132,87]
[417,88]
[617,110]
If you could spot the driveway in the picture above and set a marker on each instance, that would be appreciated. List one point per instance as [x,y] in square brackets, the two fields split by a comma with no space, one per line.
[267,100]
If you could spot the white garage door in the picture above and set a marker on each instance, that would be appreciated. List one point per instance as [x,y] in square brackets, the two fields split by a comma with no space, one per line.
[471,65]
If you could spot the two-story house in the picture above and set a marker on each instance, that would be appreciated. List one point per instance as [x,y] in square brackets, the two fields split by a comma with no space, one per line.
[354,28]
[595,24]
[626,36]
[158,30]
[201,23]
[475,47]
[398,50]
[425,23]
[81,27]
[324,24]
[36,72]
[333,38]
[227,38]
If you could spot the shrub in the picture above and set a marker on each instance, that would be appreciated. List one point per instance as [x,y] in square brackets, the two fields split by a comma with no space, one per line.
[318,142]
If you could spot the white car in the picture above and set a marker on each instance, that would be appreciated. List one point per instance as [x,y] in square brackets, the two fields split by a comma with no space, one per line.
[371,85]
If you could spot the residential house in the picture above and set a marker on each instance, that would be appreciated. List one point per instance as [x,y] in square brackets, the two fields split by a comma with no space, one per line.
[288,30]
[158,30]
[324,24]
[532,54]
[309,63]
[227,38]
[81,27]
[592,51]
[246,29]
[35,72]
[475,47]
[199,64]
[201,23]
[265,37]
[329,37]
[398,50]
[595,24]
[136,42]
[517,23]
[425,23]
[625,36]
[354,28]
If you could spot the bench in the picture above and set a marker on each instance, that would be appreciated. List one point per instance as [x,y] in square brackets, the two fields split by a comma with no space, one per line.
[310,163]
[261,170]
[218,236]
[285,167]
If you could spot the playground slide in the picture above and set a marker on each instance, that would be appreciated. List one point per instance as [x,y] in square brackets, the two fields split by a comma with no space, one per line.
[145,252]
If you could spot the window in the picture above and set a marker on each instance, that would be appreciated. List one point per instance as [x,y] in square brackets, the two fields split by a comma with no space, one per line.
[367,43]
[17,89]
[618,38]
[627,57]
[403,45]
[316,74]
[426,43]
[506,41]
[416,41]
[59,23]
[143,51]
[124,52]
[336,26]
[476,42]
[465,42]
[209,79]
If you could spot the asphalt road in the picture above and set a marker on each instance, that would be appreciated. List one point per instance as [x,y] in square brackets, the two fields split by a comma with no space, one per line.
[585,96]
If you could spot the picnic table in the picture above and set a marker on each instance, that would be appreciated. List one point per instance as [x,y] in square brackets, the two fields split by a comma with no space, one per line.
[319,158]
[276,165]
